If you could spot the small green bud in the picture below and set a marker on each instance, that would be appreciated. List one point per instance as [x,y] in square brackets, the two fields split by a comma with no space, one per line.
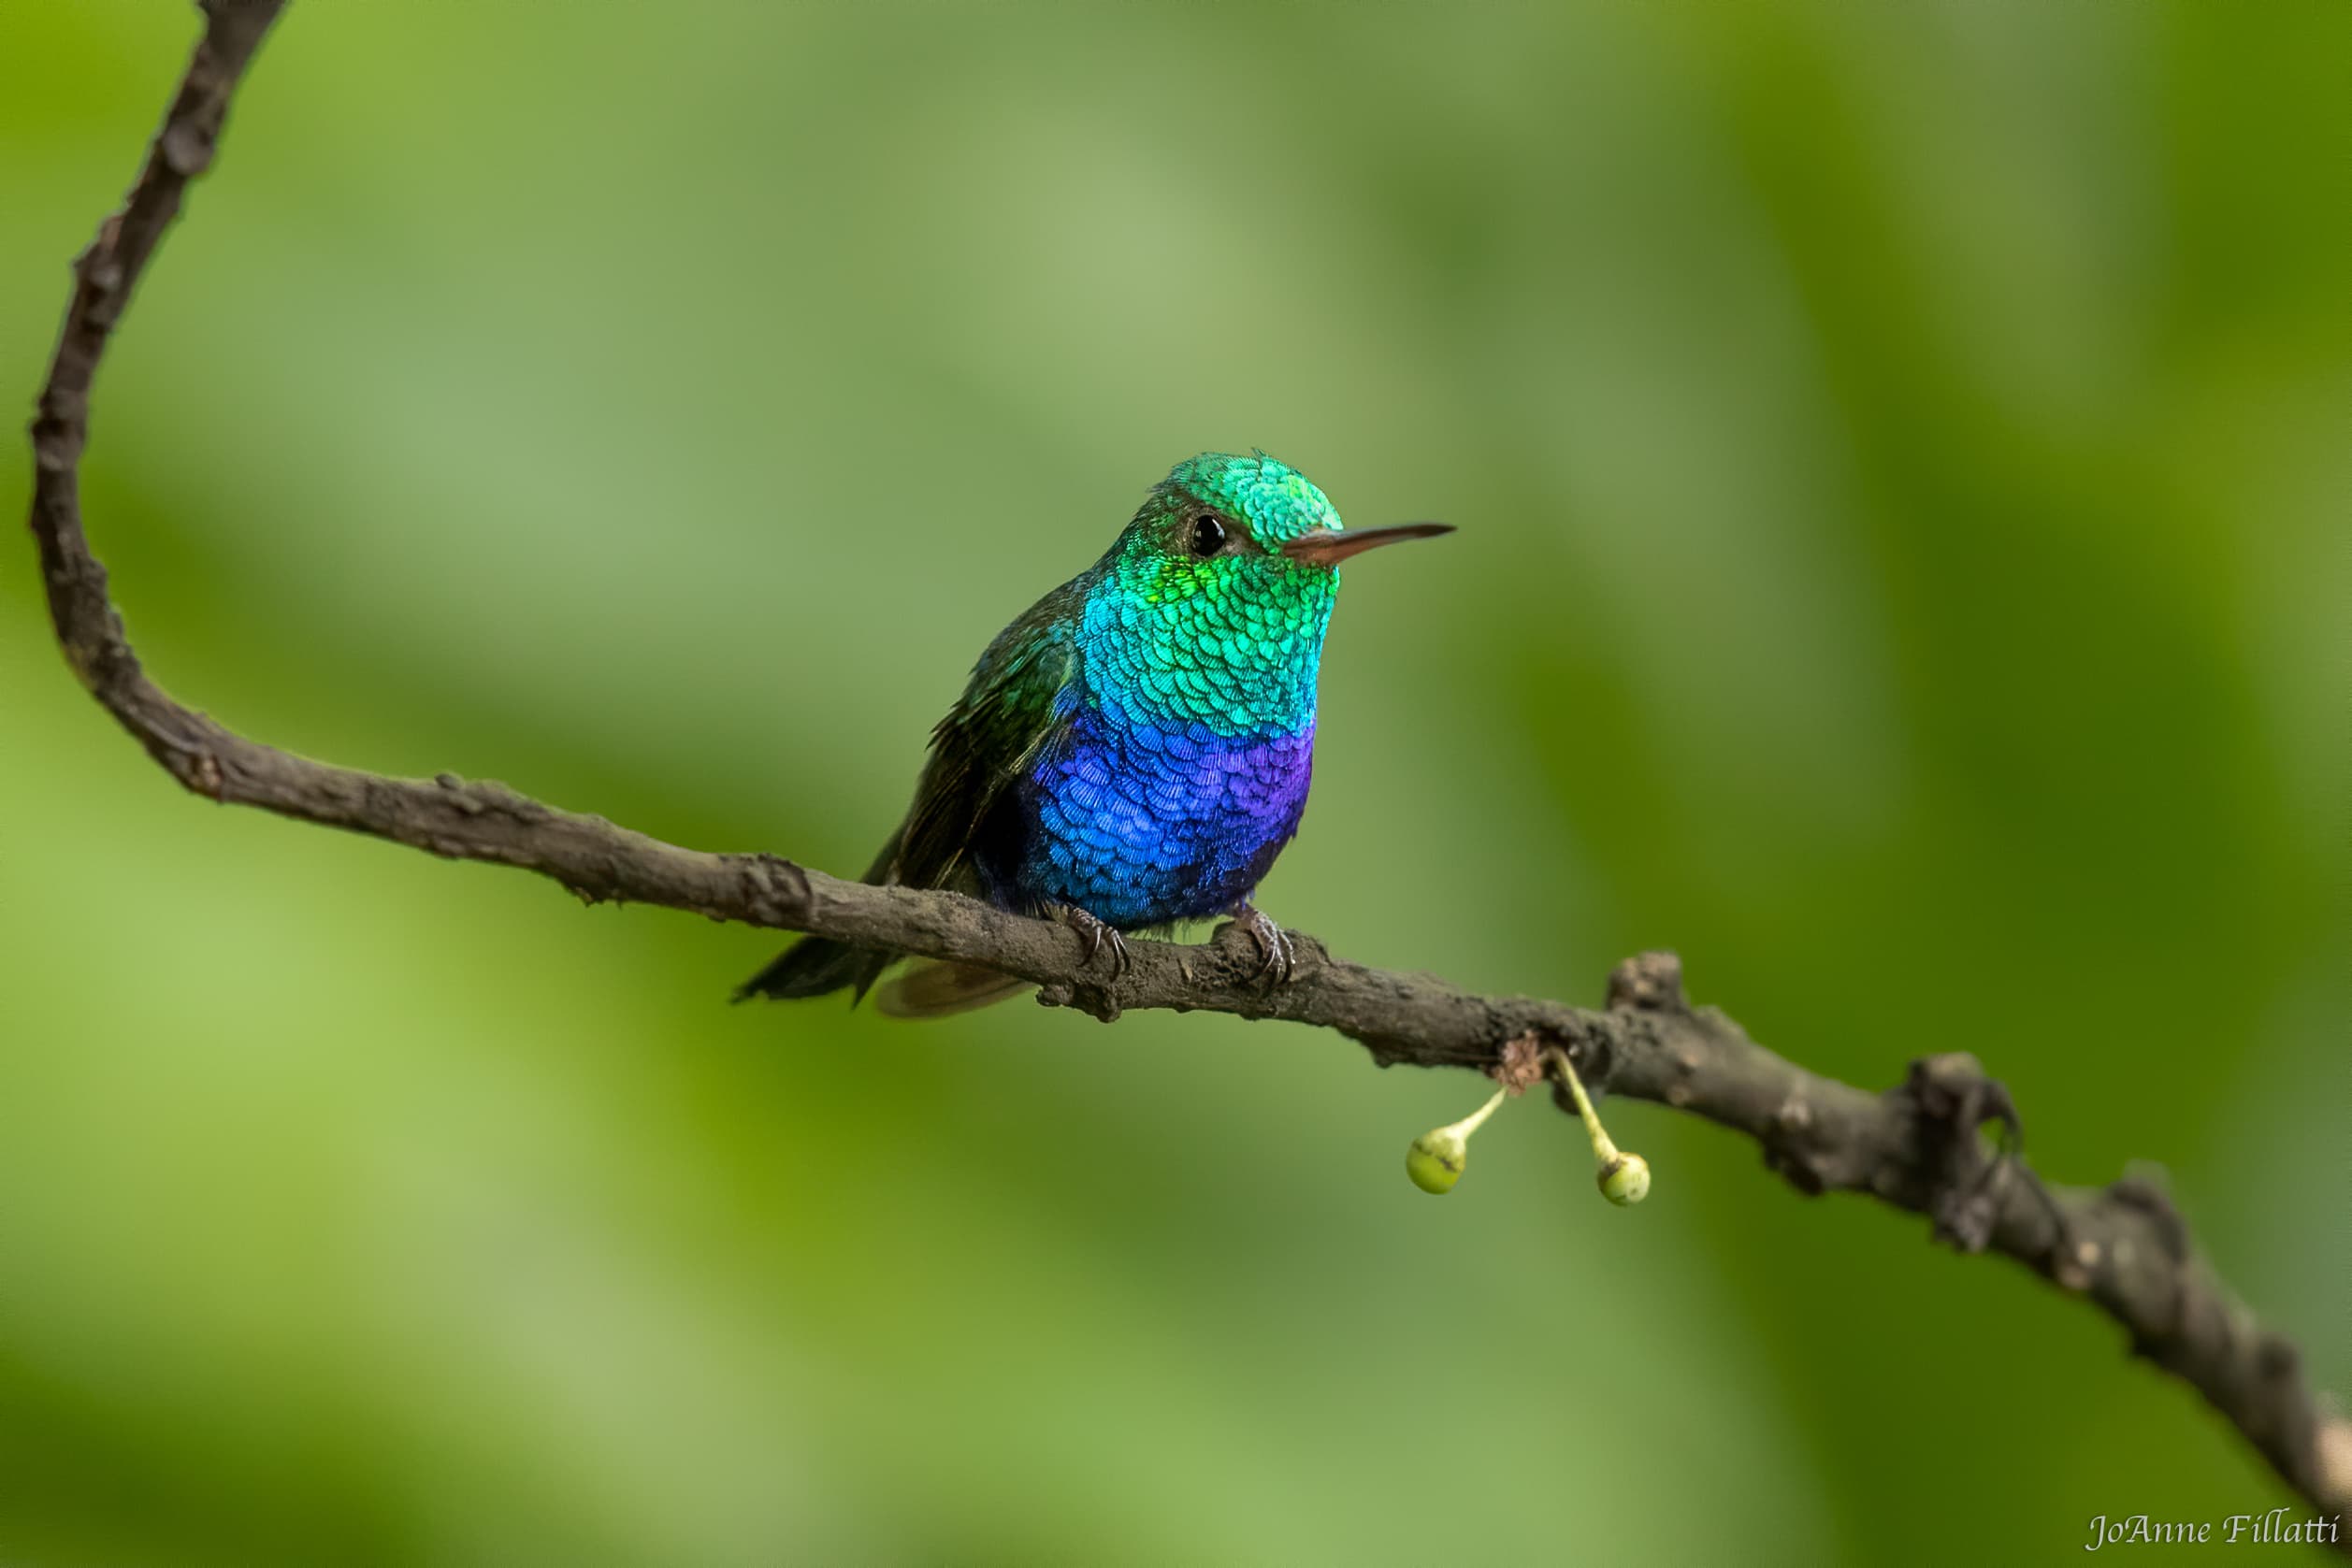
[1437,1157]
[1435,1160]
[1625,1180]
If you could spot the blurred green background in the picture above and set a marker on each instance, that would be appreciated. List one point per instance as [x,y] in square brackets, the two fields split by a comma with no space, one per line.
[1902,462]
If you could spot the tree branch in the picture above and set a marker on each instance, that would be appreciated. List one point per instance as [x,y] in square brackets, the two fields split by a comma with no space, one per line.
[1916,1146]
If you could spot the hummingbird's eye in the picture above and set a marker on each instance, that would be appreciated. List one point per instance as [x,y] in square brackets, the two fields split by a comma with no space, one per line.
[1208,535]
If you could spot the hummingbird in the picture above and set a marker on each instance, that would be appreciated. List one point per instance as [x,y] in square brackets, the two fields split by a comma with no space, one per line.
[1135,751]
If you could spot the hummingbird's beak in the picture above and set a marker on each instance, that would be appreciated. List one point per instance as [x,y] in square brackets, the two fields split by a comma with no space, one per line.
[1328,547]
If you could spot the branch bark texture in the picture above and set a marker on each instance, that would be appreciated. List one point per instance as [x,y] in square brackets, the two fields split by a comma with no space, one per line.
[1916,1146]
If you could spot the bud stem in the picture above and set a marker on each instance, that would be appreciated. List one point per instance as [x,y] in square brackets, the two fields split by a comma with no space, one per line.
[1623,1178]
[1476,1118]
[1604,1148]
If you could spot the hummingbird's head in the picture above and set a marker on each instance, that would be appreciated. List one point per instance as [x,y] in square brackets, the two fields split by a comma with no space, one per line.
[1221,523]
[1210,609]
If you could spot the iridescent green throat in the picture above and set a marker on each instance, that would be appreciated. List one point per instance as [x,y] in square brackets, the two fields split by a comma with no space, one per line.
[1232,642]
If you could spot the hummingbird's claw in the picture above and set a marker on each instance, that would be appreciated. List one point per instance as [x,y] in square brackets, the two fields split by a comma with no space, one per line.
[1098,934]
[1278,959]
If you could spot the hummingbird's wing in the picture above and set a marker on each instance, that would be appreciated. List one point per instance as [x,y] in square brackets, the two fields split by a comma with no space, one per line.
[1016,704]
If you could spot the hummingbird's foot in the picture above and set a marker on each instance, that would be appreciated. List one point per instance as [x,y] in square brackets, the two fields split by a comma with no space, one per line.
[1098,934]
[1273,944]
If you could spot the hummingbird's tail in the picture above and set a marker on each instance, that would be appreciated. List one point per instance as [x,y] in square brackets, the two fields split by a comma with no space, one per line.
[935,988]
[814,967]
[818,967]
